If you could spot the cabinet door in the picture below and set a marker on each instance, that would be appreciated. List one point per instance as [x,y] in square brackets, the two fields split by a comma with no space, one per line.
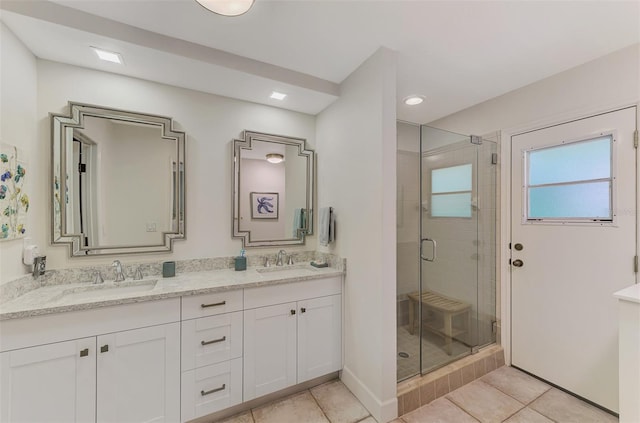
[269,349]
[49,383]
[139,375]
[319,337]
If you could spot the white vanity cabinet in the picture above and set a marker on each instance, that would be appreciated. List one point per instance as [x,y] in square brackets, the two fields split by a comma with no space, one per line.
[54,382]
[138,375]
[292,333]
[106,375]
[169,360]
[211,353]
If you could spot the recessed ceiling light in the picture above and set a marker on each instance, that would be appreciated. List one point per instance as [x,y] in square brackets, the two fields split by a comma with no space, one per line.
[413,100]
[278,96]
[108,56]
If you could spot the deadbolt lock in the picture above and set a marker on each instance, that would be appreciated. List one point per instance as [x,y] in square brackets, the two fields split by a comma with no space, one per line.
[518,247]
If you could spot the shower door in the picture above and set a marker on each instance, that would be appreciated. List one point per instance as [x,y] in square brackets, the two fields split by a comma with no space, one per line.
[454,310]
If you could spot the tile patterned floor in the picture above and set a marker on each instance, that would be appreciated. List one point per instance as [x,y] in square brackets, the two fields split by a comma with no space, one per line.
[511,396]
[330,402]
[432,349]
[503,395]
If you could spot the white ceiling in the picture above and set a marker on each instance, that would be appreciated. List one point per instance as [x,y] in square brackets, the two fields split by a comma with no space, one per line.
[455,53]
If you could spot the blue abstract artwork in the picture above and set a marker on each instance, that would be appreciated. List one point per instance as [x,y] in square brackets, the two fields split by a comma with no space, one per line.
[264,205]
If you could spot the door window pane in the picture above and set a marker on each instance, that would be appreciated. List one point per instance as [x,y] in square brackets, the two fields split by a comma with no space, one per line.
[580,161]
[587,201]
[571,181]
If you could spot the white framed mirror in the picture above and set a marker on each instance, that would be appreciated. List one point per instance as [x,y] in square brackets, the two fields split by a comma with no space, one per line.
[273,190]
[118,180]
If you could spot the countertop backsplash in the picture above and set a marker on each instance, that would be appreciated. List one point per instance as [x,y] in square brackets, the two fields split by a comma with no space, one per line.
[20,286]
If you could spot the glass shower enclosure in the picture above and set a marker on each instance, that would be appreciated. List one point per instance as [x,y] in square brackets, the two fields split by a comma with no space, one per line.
[446,248]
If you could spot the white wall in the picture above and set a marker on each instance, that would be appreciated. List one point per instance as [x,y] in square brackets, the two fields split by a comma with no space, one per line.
[210,122]
[609,81]
[356,139]
[17,127]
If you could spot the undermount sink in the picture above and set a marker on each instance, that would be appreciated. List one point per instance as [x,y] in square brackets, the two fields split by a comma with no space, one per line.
[108,290]
[294,269]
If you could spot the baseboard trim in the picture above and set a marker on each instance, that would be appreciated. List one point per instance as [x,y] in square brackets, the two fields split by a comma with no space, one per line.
[381,411]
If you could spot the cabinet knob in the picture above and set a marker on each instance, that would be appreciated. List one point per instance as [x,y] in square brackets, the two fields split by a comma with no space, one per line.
[104,348]
[293,312]
[84,353]
[303,310]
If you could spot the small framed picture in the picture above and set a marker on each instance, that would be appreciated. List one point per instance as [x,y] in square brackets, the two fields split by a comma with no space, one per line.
[264,205]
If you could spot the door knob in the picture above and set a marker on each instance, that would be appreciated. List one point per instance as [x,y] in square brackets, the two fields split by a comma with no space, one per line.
[518,263]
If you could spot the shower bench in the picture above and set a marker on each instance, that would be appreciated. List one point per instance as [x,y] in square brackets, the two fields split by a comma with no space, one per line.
[448,307]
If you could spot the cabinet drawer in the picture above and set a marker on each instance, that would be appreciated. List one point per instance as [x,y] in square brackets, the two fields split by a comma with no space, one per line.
[211,388]
[211,304]
[288,292]
[211,340]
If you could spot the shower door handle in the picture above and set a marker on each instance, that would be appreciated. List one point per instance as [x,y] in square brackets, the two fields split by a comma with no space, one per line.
[435,248]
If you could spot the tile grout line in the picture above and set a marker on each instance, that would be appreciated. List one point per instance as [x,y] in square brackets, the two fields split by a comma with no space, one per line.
[460,408]
[525,405]
[319,406]
[489,385]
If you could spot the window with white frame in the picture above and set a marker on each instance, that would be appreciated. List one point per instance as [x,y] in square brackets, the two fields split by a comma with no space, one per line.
[570,182]
[451,191]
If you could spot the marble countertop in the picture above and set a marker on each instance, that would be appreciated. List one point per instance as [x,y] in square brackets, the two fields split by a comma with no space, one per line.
[631,293]
[85,296]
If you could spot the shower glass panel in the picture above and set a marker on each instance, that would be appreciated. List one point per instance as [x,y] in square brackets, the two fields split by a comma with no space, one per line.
[449,308]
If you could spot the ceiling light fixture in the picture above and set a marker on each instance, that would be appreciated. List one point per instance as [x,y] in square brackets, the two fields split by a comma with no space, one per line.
[227,7]
[278,96]
[413,100]
[108,56]
[275,158]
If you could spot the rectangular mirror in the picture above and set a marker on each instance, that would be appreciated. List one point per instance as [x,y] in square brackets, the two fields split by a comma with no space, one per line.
[118,181]
[272,190]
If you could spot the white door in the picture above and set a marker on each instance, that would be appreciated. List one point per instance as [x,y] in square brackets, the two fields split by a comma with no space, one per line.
[319,337]
[49,383]
[269,349]
[573,237]
[139,375]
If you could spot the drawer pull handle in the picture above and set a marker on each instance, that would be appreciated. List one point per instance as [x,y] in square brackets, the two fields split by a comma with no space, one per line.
[303,310]
[104,348]
[215,341]
[203,393]
[213,305]
[84,353]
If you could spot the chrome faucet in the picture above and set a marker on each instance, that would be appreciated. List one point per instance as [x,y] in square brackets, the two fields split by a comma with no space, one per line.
[39,266]
[119,273]
[280,257]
